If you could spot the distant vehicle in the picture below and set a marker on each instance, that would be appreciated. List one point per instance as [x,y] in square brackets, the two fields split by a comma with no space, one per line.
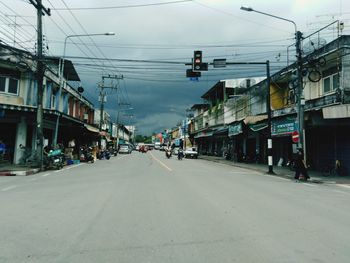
[124,148]
[191,153]
[157,145]
[143,149]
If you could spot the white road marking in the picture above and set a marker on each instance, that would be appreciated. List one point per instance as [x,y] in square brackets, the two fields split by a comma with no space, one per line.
[276,177]
[311,185]
[8,188]
[340,192]
[245,172]
[344,185]
[70,167]
[161,163]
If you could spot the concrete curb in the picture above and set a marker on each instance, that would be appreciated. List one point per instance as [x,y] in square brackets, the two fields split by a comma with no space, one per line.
[313,180]
[20,173]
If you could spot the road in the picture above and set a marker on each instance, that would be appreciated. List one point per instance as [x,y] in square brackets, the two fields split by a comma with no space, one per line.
[146,208]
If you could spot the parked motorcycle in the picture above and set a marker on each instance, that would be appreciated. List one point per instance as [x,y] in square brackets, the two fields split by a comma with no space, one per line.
[180,154]
[104,154]
[86,155]
[228,155]
[54,159]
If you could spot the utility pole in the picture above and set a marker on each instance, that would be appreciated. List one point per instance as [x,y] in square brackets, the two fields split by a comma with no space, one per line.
[40,75]
[300,90]
[103,95]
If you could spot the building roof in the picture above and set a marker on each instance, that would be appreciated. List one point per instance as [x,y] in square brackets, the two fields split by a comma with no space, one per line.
[200,106]
[69,72]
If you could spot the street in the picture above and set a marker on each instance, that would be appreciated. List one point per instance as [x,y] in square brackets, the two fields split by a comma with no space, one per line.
[146,208]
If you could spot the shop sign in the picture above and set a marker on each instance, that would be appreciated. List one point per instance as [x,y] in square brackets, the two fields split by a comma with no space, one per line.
[235,129]
[283,127]
[203,134]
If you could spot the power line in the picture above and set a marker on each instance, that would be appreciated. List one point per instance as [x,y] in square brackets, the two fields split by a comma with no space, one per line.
[123,6]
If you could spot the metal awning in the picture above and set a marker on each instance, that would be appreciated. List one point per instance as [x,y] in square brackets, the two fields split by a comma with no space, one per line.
[220,131]
[258,126]
[336,112]
[91,128]
[254,119]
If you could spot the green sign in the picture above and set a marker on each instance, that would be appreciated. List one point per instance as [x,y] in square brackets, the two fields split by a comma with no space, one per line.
[283,127]
[235,129]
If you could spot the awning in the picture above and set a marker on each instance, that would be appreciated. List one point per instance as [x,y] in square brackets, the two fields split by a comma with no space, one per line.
[336,112]
[91,128]
[254,119]
[221,131]
[258,126]
[235,129]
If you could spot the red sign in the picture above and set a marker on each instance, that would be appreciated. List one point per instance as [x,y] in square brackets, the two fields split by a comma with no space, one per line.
[295,136]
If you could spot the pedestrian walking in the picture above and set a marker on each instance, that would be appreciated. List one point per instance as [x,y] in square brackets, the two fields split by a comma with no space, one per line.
[300,167]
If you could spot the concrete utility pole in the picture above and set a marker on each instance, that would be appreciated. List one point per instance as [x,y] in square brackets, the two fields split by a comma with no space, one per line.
[300,93]
[103,93]
[40,75]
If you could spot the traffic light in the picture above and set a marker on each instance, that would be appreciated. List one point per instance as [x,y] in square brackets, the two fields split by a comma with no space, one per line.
[197,60]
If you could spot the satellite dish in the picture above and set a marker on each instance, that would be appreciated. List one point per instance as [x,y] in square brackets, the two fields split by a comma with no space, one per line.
[80,89]
[314,44]
[314,75]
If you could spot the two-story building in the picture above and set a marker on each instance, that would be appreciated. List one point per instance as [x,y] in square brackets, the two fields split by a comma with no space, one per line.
[67,114]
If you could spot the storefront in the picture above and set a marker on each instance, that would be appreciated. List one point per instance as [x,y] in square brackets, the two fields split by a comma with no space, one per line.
[281,132]
[235,133]
[203,140]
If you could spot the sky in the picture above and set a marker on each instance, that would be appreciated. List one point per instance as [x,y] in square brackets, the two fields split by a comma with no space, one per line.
[154,39]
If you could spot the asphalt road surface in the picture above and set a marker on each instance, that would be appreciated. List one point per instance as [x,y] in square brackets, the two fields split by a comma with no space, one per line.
[146,208]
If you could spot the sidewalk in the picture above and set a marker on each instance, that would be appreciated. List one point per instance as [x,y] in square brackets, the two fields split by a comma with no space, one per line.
[14,170]
[316,177]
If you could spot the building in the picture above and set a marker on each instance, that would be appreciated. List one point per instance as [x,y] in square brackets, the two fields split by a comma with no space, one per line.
[234,117]
[67,114]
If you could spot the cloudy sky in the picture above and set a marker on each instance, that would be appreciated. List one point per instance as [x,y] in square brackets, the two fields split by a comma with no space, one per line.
[155,38]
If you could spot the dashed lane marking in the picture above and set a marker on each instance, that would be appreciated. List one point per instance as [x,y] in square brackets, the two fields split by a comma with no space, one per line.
[161,163]
[8,188]
[311,185]
[33,179]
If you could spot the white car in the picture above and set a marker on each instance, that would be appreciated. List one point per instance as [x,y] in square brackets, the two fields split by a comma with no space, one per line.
[124,149]
[191,153]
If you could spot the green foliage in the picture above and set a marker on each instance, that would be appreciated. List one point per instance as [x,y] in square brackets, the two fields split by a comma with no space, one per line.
[142,138]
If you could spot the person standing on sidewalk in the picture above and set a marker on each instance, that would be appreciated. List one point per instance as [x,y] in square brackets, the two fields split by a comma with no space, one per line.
[300,167]
[2,150]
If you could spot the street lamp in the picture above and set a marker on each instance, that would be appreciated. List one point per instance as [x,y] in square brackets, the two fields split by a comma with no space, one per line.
[61,67]
[300,96]
[61,70]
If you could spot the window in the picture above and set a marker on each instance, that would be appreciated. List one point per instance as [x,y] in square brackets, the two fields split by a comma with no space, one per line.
[2,84]
[327,85]
[9,85]
[53,101]
[330,83]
